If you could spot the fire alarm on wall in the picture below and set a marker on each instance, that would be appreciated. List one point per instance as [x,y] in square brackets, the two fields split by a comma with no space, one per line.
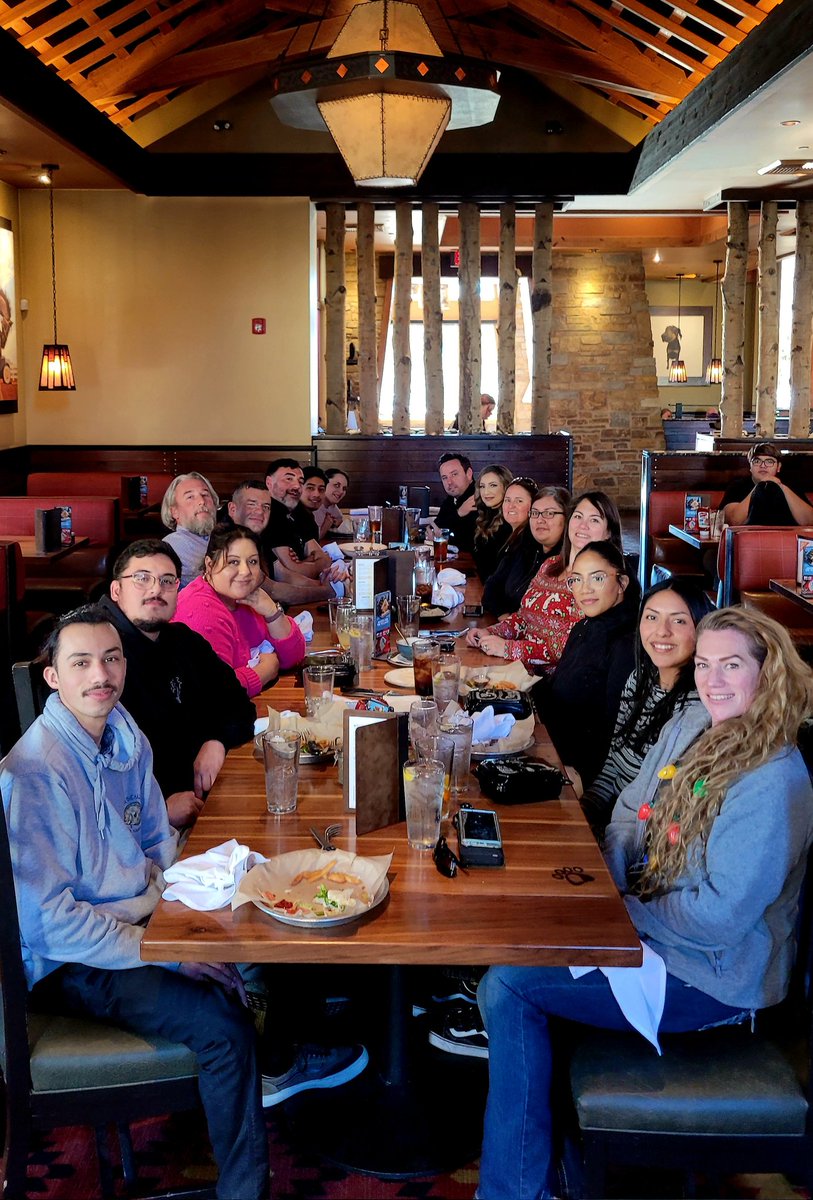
[258,324]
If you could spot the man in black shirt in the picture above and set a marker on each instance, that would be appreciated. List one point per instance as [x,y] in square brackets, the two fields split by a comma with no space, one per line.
[764,499]
[458,512]
[186,700]
[292,533]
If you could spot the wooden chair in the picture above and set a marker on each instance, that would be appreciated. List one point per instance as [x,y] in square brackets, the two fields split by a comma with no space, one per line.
[722,1101]
[57,1071]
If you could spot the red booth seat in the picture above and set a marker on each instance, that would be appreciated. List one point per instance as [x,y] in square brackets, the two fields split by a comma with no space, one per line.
[668,552]
[750,556]
[96,518]
[93,483]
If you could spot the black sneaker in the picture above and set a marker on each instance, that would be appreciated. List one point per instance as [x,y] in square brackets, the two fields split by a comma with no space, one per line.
[458,985]
[460,1030]
[315,1067]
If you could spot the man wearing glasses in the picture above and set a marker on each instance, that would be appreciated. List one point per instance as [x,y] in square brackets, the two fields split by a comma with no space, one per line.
[184,698]
[764,499]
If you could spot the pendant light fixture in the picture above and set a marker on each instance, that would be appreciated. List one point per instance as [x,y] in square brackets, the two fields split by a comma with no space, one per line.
[56,371]
[677,367]
[714,371]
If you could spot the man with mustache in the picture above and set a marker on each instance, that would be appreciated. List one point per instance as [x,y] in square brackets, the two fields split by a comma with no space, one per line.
[184,698]
[89,841]
[291,534]
[189,509]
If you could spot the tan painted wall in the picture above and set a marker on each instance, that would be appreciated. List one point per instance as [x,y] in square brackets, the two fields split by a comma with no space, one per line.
[156,298]
[12,425]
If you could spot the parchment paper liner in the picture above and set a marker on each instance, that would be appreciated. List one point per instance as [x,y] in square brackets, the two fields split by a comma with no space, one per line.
[276,875]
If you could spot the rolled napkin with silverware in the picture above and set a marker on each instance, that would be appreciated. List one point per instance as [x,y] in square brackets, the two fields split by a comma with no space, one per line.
[208,881]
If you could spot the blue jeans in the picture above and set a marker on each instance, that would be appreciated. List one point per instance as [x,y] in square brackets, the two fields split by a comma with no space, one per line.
[217,1028]
[516,1003]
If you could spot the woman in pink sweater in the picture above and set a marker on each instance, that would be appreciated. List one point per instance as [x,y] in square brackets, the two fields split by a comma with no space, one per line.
[227,606]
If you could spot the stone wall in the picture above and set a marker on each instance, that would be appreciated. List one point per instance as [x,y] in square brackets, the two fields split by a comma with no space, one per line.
[603,385]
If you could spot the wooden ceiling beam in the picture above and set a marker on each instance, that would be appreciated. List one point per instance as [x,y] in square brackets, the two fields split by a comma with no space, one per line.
[122,115]
[75,72]
[98,28]
[669,28]
[645,110]
[10,16]
[712,21]
[653,41]
[83,10]
[219,20]
[743,9]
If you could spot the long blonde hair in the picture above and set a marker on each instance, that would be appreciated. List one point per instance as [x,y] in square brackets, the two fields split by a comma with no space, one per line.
[686,808]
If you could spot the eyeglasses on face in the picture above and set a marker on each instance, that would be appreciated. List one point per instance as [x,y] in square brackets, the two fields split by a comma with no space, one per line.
[597,578]
[145,579]
[545,514]
[445,858]
[763,462]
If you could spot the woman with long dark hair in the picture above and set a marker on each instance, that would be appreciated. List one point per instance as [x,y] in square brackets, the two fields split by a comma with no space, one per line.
[536,539]
[491,530]
[661,684]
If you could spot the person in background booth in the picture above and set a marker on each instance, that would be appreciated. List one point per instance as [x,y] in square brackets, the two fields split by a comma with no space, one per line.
[189,509]
[491,530]
[458,512]
[708,846]
[523,553]
[329,517]
[764,499]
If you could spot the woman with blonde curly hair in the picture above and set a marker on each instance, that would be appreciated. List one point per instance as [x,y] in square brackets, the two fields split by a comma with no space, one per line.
[708,846]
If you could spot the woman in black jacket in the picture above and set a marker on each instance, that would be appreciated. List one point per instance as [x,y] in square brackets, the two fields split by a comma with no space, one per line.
[527,548]
[579,702]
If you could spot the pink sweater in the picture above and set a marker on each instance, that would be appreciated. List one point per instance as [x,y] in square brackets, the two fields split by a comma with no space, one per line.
[234,633]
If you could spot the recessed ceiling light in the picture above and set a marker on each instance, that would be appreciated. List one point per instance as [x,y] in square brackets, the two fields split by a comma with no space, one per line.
[789,124]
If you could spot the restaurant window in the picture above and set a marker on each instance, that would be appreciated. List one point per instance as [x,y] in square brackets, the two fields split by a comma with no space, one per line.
[786,268]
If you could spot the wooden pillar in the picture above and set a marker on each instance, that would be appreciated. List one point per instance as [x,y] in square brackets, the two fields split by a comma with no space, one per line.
[800,331]
[469,419]
[768,335]
[401,352]
[736,264]
[541,317]
[507,321]
[368,350]
[432,320]
[335,294]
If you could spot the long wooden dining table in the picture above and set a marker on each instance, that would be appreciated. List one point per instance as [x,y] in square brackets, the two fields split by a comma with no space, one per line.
[553,903]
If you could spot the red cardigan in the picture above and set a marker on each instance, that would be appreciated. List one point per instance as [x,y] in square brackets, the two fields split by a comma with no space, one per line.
[234,633]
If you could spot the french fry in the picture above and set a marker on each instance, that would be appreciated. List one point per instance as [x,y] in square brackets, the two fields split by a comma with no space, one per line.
[313,876]
[343,877]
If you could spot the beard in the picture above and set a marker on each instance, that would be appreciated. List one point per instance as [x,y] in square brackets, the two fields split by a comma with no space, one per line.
[202,524]
[151,624]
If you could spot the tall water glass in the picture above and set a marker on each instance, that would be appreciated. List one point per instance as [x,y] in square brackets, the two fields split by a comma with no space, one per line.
[423,719]
[318,683]
[425,654]
[345,617]
[408,611]
[375,522]
[423,797]
[441,748]
[413,525]
[460,732]
[281,761]
[333,606]
[361,640]
[441,547]
[446,680]
[361,529]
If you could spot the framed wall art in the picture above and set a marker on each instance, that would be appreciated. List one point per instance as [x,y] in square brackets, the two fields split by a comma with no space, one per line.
[8,328]
[690,340]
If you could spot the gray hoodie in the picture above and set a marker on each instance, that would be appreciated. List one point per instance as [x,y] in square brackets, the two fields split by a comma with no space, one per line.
[89,840]
[727,925]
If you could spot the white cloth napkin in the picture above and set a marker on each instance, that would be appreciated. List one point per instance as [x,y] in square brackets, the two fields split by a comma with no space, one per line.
[488,727]
[265,647]
[208,881]
[445,594]
[450,576]
[334,551]
[305,622]
[639,991]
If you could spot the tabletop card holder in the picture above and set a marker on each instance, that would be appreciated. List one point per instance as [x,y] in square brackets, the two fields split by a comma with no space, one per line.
[47,529]
[370,577]
[375,749]
[804,565]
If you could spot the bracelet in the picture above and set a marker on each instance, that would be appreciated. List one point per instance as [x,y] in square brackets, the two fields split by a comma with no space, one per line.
[276,613]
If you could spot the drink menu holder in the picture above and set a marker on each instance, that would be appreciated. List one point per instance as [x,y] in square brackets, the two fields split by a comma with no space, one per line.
[393,526]
[375,748]
[804,564]
[47,529]
[370,577]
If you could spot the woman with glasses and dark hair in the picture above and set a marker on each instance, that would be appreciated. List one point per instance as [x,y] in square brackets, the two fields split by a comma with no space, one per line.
[579,702]
[708,846]
[536,539]
[763,499]
[491,530]
[227,606]
[661,685]
[537,632]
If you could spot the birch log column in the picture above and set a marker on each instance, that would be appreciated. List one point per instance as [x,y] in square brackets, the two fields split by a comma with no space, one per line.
[432,320]
[768,306]
[401,352]
[335,293]
[800,330]
[469,419]
[507,321]
[736,263]
[541,317]
[368,350]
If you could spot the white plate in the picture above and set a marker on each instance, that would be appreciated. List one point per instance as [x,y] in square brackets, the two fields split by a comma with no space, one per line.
[324,922]
[404,677]
[479,755]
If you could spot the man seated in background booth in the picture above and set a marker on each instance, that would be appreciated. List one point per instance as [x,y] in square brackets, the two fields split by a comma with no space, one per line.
[763,499]
[289,534]
[458,512]
[90,838]
[184,698]
[189,510]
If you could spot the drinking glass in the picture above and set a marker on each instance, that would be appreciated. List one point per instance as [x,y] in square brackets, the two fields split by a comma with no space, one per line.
[438,746]
[423,719]
[361,640]
[412,517]
[375,522]
[281,761]
[424,579]
[460,732]
[423,796]
[345,617]
[333,606]
[425,654]
[408,610]
[446,680]
[361,529]
[441,547]
[318,683]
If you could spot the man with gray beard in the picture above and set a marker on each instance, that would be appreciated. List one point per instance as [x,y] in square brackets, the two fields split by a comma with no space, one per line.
[189,509]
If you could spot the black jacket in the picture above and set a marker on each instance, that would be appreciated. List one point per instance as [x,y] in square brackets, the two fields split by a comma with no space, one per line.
[579,702]
[487,551]
[461,529]
[181,695]
[515,568]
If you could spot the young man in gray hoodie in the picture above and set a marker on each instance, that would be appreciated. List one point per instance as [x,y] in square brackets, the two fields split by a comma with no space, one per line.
[90,839]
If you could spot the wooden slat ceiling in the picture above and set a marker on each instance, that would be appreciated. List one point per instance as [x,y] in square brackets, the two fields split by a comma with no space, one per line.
[130,57]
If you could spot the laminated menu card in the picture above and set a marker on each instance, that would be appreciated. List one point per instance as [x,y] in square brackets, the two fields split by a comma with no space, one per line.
[375,749]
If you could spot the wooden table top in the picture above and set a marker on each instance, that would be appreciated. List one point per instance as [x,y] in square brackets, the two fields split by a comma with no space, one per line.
[28,546]
[789,588]
[693,539]
[523,913]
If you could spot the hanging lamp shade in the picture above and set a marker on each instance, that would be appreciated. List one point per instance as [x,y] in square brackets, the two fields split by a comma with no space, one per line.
[386,138]
[677,368]
[714,371]
[56,369]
